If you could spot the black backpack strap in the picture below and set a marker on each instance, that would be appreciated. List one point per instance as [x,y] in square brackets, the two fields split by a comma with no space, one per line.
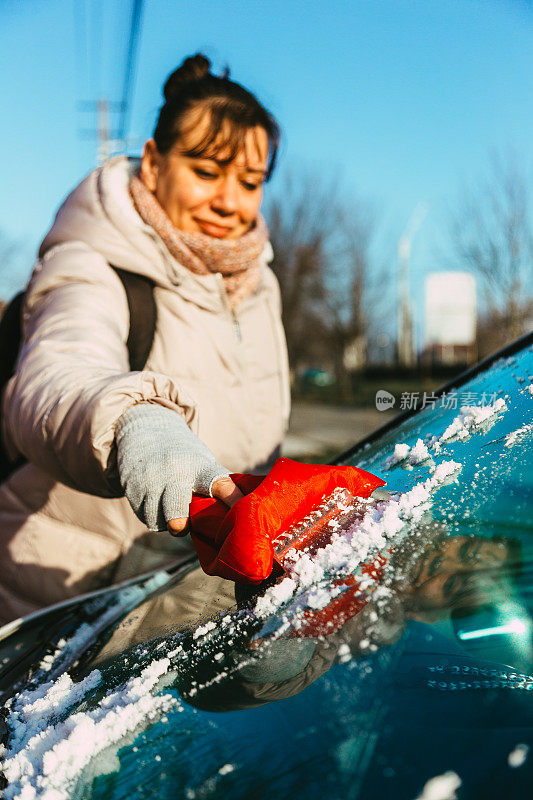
[143,316]
[10,337]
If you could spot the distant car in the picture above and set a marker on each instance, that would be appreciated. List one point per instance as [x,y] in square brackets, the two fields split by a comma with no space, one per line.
[395,660]
[316,376]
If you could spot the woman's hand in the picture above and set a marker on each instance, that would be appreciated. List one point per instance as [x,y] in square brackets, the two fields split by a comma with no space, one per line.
[223,489]
[161,463]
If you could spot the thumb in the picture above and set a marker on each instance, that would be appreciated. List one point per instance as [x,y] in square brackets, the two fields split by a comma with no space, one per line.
[224,489]
[179,526]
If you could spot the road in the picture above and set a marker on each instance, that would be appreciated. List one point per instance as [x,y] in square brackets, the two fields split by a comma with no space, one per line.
[318,432]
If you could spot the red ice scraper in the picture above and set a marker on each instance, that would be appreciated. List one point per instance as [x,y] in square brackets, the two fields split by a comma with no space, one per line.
[245,543]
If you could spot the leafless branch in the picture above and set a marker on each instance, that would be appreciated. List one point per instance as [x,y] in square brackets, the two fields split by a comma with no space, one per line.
[323,260]
[491,234]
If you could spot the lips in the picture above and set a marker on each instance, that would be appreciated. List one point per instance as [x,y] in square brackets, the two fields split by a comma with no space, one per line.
[212,228]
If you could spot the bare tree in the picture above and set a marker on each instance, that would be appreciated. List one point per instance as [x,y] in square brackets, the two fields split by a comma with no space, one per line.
[350,277]
[302,221]
[492,235]
[322,258]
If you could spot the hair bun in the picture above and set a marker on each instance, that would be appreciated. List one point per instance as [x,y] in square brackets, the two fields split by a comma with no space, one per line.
[194,68]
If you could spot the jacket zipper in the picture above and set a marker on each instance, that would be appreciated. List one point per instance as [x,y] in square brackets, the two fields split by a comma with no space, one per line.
[236,327]
[284,389]
[240,355]
[234,321]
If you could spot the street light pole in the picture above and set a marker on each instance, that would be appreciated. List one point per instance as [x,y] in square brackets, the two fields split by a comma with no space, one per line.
[406,345]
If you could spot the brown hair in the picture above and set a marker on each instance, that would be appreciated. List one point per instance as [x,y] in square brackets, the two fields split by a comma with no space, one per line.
[193,85]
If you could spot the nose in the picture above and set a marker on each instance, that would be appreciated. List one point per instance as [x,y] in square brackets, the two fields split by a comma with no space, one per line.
[225,201]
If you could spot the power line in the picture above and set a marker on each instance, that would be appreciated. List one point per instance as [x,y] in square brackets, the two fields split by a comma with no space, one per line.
[136,12]
[109,141]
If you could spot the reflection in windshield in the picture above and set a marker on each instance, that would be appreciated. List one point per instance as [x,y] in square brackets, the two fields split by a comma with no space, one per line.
[413,614]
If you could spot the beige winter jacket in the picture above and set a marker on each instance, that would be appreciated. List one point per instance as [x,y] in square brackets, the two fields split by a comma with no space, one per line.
[64,527]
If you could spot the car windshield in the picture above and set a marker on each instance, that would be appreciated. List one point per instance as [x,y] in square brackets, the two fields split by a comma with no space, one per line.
[393,658]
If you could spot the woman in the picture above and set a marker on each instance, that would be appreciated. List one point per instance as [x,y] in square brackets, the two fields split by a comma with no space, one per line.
[114,453]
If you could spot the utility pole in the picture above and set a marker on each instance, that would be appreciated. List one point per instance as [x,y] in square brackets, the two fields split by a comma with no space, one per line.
[107,141]
[406,343]
[103,149]
[115,141]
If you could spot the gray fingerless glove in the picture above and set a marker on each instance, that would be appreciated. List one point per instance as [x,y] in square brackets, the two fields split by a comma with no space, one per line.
[161,463]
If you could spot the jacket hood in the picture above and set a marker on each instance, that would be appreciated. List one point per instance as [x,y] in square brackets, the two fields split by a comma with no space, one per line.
[99,212]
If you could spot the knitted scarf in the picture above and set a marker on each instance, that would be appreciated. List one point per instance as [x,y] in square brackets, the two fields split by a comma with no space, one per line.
[237,260]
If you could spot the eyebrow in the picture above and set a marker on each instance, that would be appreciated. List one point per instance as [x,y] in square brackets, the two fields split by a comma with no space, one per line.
[245,167]
[222,162]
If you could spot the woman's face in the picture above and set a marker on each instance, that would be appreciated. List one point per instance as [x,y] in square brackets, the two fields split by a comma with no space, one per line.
[204,194]
[458,565]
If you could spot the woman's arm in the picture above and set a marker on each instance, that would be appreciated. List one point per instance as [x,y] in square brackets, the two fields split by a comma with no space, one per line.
[73,379]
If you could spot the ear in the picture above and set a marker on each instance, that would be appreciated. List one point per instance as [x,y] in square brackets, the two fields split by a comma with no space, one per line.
[150,165]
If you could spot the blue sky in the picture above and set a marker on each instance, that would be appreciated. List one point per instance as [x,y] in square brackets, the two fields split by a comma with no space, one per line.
[402,99]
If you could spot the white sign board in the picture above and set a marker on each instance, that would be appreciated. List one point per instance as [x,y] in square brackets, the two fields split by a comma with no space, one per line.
[451,309]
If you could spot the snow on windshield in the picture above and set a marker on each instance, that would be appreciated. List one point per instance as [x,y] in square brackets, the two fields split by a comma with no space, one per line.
[57,727]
